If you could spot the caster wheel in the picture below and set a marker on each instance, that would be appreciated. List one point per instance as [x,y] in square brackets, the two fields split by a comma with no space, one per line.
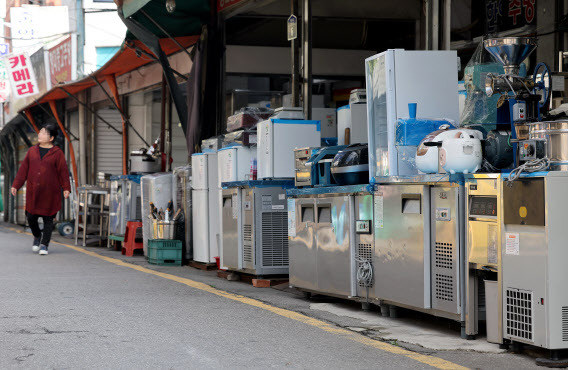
[66,229]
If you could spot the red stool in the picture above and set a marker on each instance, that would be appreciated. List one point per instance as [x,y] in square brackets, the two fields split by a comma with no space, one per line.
[130,243]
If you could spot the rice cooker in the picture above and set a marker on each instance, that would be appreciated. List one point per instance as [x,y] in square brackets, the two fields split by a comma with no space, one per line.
[461,154]
[350,166]
[428,153]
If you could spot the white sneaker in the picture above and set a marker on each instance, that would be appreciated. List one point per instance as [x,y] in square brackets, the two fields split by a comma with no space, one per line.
[35,247]
[43,250]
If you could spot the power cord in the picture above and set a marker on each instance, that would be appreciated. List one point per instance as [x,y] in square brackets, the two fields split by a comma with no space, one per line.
[535,165]
[365,271]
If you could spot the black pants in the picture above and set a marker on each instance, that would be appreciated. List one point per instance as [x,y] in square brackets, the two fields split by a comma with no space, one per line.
[47,227]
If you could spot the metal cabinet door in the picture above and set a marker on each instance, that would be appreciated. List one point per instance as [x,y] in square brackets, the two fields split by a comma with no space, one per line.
[364,242]
[302,246]
[249,241]
[230,232]
[333,217]
[402,244]
[446,248]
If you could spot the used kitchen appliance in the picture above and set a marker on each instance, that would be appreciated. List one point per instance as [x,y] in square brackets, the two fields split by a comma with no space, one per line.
[158,189]
[302,169]
[350,166]
[205,210]
[396,78]
[255,226]
[331,239]
[484,197]
[523,99]
[534,254]
[141,163]
[125,202]
[277,139]
[420,245]
[352,124]
[328,121]
[235,164]
[182,201]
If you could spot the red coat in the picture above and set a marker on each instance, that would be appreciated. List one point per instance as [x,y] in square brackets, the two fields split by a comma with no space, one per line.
[45,179]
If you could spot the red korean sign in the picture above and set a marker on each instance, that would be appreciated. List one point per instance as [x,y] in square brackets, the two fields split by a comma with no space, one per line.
[225,4]
[21,75]
[60,62]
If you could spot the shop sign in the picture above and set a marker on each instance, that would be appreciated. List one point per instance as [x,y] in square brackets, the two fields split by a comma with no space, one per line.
[21,75]
[292,28]
[503,15]
[4,83]
[4,49]
[60,62]
[225,4]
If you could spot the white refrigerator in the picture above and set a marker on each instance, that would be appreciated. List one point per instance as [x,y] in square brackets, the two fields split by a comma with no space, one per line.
[354,118]
[395,78]
[277,139]
[206,230]
[328,121]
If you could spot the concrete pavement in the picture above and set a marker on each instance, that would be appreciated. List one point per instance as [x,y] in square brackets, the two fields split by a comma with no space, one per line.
[70,309]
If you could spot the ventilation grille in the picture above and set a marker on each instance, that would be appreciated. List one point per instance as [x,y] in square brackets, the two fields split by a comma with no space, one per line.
[365,251]
[274,239]
[444,287]
[565,323]
[247,253]
[519,314]
[247,245]
[481,294]
[444,255]
[247,237]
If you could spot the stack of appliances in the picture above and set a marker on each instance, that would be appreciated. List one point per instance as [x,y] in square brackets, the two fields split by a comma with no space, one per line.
[205,210]
[516,229]
[396,78]
[182,201]
[157,190]
[352,120]
[418,227]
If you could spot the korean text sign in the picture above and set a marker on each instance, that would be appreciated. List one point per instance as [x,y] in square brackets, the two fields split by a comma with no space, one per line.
[21,75]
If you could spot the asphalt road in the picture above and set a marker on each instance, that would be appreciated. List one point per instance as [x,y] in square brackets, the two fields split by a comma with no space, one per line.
[76,310]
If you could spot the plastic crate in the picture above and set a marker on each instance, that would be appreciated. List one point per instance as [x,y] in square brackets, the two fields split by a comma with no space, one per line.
[165,252]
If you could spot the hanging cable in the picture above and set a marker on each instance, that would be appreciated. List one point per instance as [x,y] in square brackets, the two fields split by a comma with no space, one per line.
[535,165]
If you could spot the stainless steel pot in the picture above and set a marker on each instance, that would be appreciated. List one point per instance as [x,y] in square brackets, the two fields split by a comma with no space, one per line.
[142,163]
[556,135]
[163,229]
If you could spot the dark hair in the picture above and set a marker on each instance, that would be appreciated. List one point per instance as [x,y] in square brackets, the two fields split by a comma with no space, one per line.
[52,130]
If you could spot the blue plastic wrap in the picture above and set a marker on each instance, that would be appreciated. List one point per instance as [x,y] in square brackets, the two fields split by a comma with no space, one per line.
[134,178]
[347,189]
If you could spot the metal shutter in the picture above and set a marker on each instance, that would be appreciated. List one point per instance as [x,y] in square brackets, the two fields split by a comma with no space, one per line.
[108,149]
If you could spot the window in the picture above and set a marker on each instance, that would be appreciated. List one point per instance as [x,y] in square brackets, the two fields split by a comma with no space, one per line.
[104,54]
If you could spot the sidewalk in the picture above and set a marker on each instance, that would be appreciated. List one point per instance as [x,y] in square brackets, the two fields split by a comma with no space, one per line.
[413,331]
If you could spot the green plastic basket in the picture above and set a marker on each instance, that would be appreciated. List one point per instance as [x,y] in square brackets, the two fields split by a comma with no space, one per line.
[165,252]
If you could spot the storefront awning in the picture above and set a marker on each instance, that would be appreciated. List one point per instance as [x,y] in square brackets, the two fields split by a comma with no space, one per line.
[176,17]
[131,56]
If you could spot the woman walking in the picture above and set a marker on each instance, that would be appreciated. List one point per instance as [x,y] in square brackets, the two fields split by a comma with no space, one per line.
[45,170]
